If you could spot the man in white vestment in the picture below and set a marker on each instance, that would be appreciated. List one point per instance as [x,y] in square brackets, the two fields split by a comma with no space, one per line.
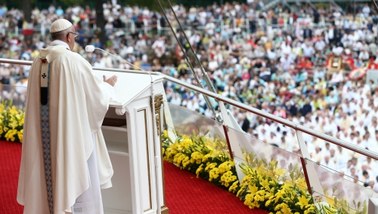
[76,102]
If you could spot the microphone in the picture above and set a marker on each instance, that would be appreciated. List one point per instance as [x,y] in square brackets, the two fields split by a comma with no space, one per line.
[92,48]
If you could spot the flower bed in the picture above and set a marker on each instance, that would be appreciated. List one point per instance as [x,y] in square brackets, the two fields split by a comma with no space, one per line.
[264,185]
[11,122]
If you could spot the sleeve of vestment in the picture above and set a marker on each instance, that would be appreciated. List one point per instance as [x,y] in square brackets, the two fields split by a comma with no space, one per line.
[98,95]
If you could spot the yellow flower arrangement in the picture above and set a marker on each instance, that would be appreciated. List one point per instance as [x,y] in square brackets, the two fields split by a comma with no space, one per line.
[201,156]
[11,122]
[263,188]
[264,184]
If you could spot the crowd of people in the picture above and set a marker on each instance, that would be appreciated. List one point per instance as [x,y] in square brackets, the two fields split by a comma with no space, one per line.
[308,64]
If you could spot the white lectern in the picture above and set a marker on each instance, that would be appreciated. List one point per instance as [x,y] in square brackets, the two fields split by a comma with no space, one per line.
[132,132]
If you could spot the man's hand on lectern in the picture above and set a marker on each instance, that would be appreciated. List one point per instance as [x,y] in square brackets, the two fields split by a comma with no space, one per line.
[111,80]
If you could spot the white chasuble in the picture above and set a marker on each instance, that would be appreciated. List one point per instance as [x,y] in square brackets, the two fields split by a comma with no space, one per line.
[78,102]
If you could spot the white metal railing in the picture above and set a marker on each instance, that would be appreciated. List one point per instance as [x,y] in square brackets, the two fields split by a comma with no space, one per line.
[296,127]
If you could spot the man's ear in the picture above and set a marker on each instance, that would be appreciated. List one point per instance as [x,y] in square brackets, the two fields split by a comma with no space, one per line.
[68,39]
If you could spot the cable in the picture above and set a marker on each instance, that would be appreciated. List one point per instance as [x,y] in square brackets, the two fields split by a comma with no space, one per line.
[375,4]
[188,61]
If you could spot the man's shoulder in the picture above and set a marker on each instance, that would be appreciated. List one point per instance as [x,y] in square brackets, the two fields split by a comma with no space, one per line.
[64,55]
[63,58]
[72,56]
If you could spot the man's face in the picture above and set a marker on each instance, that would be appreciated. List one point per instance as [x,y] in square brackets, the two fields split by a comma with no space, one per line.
[71,37]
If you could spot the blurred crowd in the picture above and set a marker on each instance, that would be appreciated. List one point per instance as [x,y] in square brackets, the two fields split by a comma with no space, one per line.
[308,64]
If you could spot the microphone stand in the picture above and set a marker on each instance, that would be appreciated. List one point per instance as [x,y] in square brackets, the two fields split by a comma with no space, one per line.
[91,48]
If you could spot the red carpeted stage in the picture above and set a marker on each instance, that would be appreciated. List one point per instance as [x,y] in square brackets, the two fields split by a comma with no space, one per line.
[10,154]
[183,191]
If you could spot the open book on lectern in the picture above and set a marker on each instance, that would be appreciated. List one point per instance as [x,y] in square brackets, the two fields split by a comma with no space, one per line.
[128,86]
